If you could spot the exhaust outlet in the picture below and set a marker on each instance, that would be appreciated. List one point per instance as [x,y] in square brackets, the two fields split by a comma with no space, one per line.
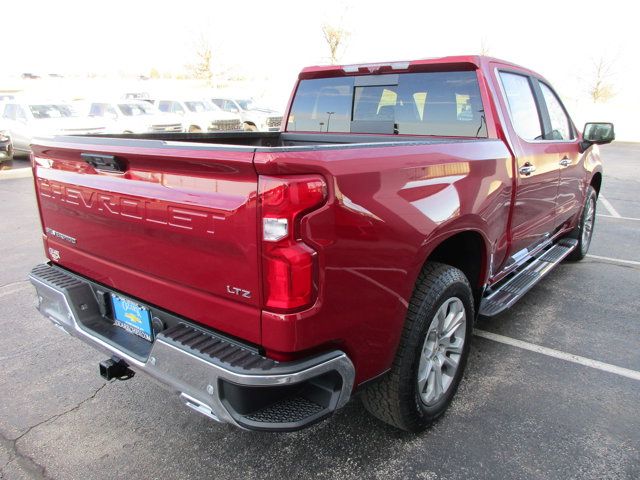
[115,368]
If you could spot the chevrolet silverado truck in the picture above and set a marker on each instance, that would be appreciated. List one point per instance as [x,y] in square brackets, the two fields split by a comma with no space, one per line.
[265,278]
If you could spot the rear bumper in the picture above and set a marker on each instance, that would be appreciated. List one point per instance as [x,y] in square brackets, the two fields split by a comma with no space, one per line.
[213,375]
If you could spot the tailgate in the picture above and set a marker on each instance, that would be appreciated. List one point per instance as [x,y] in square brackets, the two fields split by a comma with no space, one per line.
[174,226]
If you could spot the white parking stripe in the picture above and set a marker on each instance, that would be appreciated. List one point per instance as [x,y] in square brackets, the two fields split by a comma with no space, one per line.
[17,173]
[532,347]
[608,206]
[619,218]
[13,288]
[615,260]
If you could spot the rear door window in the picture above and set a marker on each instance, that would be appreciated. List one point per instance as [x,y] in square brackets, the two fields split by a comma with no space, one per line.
[522,106]
[433,103]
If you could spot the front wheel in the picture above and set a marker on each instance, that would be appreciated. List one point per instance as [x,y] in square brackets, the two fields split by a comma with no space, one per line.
[584,230]
[432,353]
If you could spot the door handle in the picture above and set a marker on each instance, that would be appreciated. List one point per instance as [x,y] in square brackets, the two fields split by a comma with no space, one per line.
[527,169]
[565,162]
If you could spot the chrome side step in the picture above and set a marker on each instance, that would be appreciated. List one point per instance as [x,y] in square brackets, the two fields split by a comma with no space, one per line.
[513,289]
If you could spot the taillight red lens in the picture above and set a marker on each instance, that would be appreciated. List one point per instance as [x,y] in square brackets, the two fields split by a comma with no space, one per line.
[288,263]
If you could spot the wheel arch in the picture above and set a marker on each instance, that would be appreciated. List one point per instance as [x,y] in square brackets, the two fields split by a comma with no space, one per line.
[596,181]
[466,249]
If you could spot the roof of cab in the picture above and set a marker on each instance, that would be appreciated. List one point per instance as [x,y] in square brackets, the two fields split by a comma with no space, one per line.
[459,62]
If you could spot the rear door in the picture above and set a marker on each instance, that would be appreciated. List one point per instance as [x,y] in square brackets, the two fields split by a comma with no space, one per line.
[561,136]
[537,164]
[174,225]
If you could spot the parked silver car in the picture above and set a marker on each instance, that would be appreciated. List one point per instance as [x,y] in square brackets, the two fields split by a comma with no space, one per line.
[254,116]
[6,147]
[200,115]
[134,116]
[28,119]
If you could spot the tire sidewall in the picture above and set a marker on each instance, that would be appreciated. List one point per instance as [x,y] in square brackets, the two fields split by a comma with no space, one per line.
[462,291]
[591,196]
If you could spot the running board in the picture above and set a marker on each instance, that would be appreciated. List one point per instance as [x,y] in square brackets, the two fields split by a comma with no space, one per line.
[522,281]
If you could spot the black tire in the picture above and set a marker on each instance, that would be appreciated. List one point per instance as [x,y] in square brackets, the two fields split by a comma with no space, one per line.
[584,241]
[395,398]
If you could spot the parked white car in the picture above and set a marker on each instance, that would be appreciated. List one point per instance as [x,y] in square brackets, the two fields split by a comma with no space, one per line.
[200,115]
[6,147]
[254,116]
[134,116]
[28,119]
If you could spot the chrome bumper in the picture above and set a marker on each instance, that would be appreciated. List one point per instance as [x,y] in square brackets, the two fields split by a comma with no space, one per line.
[204,383]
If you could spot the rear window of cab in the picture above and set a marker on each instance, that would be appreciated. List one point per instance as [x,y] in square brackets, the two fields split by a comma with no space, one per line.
[428,103]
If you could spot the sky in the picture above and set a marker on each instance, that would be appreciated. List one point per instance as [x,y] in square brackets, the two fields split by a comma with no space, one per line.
[274,40]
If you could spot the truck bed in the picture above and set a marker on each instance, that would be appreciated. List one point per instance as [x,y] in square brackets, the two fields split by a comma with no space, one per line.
[269,141]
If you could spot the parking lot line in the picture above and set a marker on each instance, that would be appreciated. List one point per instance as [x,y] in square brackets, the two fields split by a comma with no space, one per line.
[614,260]
[17,173]
[12,288]
[569,357]
[618,218]
[608,206]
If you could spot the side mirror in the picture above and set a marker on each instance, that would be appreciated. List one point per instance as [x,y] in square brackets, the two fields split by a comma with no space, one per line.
[597,133]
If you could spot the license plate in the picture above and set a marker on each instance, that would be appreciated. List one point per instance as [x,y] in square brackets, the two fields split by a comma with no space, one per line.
[132,317]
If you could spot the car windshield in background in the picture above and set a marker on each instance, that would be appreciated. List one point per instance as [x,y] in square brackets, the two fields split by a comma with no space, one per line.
[199,106]
[135,109]
[433,103]
[51,111]
[247,104]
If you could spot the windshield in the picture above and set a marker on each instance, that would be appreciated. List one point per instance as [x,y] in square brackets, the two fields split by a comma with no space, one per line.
[51,111]
[135,109]
[247,104]
[199,106]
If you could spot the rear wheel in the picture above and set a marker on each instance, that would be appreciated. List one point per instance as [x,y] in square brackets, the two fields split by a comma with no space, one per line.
[432,353]
[584,230]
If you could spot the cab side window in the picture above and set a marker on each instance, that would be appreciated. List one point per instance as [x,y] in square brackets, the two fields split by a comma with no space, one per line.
[176,108]
[522,106]
[9,111]
[20,115]
[560,124]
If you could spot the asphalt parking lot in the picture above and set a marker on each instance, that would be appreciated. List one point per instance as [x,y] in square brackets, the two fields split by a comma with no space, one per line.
[520,413]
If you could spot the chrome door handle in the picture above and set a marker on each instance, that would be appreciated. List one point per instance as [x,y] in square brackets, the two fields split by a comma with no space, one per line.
[527,169]
[565,162]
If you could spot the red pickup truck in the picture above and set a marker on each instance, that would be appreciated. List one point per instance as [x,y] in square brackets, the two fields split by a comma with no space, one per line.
[266,277]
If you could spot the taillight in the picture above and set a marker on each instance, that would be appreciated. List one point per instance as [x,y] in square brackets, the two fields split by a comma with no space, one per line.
[288,264]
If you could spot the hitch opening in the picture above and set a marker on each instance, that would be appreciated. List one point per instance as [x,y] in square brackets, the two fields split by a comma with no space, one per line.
[115,368]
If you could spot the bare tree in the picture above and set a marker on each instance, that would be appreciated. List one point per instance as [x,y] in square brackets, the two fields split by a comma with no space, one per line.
[484,47]
[336,38]
[601,89]
[202,68]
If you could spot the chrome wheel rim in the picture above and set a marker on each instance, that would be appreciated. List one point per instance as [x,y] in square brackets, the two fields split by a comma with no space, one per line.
[442,350]
[589,219]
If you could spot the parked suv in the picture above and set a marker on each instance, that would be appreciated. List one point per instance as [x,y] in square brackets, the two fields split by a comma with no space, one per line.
[134,116]
[254,116]
[28,119]
[200,115]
